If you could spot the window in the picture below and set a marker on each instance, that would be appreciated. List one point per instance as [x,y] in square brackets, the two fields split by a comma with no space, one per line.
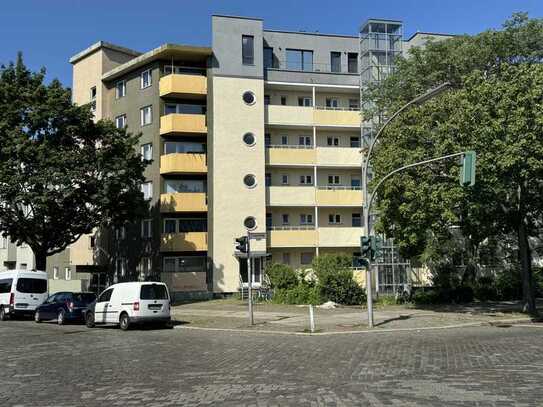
[249,180]
[285,218]
[67,273]
[355,182]
[146,79]
[352,62]
[269,220]
[105,296]
[284,179]
[3,242]
[334,219]
[153,292]
[32,285]
[55,273]
[120,233]
[283,100]
[267,139]
[249,139]
[332,141]
[306,180]
[93,98]
[147,190]
[145,267]
[304,140]
[249,222]
[355,141]
[23,266]
[356,220]
[120,89]
[120,121]
[249,97]
[146,228]
[332,103]
[306,258]
[147,152]
[284,140]
[247,49]
[268,57]
[306,219]
[146,115]
[170,225]
[267,99]
[172,147]
[268,179]
[5,285]
[333,179]
[299,60]
[353,104]
[286,258]
[305,101]
[189,108]
[335,61]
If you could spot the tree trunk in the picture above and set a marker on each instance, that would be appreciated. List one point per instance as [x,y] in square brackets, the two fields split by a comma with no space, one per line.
[41,259]
[525,257]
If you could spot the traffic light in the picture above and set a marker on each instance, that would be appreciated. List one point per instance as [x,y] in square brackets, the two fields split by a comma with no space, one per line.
[365,246]
[467,173]
[241,244]
[376,246]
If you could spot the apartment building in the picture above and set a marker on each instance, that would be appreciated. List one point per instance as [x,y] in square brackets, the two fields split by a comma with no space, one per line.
[261,132]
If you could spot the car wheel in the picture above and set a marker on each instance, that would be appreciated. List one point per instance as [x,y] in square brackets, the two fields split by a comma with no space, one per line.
[61,318]
[124,322]
[3,315]
[37,317]
[89,319]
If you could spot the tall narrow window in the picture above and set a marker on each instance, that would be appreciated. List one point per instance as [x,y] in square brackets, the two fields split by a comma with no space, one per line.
[332,102]
[67,273]
[285,218]
[93,98]
[146,228]
[283,100]
[120,89]
[146,79]
[284,140]
[268,57]
[284,179]
[55,273]
[120,121]
[147,152]
[147,190]
[146,115]
[352,62]
[170,225]
[267,99]
[304,140]
[247,49]
[305,101]
[335,61]
[356,220]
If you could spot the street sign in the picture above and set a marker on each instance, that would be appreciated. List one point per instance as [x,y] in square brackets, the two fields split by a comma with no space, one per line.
[467,173]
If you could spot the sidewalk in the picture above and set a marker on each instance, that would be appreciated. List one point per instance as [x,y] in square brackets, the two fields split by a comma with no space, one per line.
[233,314]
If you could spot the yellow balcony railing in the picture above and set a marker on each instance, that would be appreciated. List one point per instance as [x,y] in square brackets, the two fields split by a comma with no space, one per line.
[290,156]
[339,197]
[290,196]
[339,236]
[336,118]
[182,85]
[289,115]
[339,156]
[183,202]
[183,163]
[184,242]
[183,123]
[292,237]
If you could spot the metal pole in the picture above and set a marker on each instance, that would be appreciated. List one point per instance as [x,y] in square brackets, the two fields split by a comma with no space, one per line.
[249,278]
[311,319]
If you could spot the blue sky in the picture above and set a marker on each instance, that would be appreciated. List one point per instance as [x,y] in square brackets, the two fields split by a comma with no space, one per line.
[50,31]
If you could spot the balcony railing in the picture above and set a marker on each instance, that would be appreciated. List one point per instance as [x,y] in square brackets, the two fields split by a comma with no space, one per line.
[288,227]
[315,67]
[293,146]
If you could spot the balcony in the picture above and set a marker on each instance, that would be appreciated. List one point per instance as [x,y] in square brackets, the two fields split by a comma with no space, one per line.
[339,236]
[339,157]
[339,196]
[183,123]
[184,242]
[336,117]
[288,115]
[181,85]
[290,155]
[183,163]
[290,196]
[183,202]
[292,237]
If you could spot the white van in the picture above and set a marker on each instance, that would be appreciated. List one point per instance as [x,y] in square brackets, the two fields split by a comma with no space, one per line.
[21,291]
[131,303]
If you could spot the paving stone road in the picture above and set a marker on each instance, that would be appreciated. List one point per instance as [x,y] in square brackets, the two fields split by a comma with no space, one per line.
[50,365]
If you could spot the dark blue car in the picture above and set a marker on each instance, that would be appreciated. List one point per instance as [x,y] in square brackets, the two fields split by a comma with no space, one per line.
[64,307]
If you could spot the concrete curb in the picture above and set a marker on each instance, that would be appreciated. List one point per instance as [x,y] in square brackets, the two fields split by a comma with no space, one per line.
[365,331]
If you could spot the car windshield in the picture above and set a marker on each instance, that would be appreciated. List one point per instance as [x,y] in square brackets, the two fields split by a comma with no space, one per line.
[85,298]
[32,285]
[153,292]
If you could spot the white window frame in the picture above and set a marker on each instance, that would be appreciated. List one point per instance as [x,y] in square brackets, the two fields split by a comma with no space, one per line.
[150,150]
[67,273]
[142,115]
[307,101]
[149,75]
[150,223]
[284,179]
[284,140]
[118,94]
[287,219]
[335,219]
[306,219]
[306,180]
[332,102]
[304,140]
[150,192]
[118,118]
[55,273]
[336,180]
[334,141]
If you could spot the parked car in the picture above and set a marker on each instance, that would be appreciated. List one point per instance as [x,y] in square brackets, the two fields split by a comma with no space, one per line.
[21,291]
[65,307]
[127,304]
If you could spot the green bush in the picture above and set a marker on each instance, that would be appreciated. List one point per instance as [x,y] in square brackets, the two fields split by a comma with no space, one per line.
[281,276]
[508,285]
[485,289]
[300,294]
[335,280]
[427,297]
[387,300]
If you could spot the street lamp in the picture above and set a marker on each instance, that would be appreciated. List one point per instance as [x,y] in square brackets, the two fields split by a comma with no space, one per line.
[365,164]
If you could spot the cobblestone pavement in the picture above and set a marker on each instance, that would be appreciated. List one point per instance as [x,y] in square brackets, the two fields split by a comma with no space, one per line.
[50,365]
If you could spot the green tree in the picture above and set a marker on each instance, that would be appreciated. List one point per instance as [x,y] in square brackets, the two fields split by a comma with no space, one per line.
[496,109]
[62,175]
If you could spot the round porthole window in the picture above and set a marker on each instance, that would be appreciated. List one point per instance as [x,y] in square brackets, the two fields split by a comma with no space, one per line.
[249,139]
[250,222]
[249,180]
[249,97]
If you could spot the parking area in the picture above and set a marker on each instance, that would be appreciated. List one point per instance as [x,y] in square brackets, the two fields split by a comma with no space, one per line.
[49,365]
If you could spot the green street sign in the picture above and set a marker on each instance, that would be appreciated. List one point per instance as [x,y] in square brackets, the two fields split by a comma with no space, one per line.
[467,173]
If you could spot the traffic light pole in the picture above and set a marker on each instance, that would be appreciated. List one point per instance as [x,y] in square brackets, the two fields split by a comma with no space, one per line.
[250,279]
